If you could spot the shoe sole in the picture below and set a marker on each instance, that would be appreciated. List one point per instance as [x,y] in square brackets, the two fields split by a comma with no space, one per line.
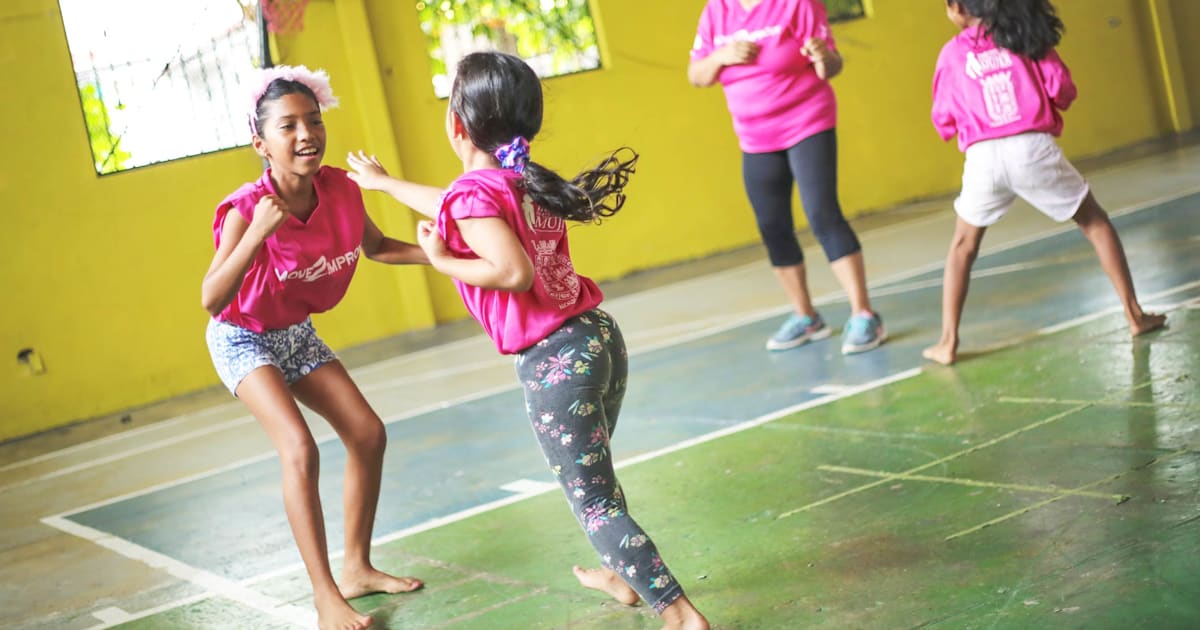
[775,346]
[852,349]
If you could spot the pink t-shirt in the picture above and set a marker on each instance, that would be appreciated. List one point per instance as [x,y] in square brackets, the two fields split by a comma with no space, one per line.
[515,320]
[778,100]
[982,92]
[305,266]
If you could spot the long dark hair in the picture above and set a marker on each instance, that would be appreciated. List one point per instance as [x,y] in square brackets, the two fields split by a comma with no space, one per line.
[1030,28]
[276,90]
[498,97]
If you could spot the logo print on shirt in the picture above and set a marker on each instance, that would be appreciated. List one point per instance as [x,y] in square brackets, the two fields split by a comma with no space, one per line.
[539,220]
[987,61]
[1001,99]
[747,36]
[999,95]
[556,273]
[319,269]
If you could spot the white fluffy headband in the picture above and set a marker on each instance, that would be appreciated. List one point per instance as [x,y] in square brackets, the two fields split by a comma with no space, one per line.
[317,81]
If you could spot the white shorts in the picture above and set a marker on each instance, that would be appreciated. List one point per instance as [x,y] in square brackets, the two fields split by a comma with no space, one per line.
[1029,166]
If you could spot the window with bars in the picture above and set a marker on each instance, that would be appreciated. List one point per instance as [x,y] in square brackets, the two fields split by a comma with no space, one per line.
[160,80]
[555,37]
[843,10]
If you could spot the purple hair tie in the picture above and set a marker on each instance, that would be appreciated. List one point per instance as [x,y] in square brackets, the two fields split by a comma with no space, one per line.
[514,155]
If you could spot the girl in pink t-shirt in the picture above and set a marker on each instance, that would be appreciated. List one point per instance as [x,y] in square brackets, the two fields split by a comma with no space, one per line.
[501,234]
[287,246]
[774,59]
[1001,87]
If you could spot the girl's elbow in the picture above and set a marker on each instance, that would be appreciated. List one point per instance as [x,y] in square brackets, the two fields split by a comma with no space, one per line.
[521,280]
[698,78]
[211,305]
[211,301]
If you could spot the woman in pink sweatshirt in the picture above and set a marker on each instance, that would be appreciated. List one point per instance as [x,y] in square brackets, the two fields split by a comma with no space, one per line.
[774,60]
[1001,87]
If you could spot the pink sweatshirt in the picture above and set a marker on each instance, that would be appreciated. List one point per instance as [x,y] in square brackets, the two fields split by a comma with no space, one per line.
[303,268]
[515,320]
[982,92]
[778,100]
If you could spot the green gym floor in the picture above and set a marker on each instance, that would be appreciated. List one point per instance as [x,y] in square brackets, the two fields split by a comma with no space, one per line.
[1049,480]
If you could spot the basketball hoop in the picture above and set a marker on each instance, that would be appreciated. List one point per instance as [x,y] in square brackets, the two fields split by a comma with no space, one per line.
[284,16]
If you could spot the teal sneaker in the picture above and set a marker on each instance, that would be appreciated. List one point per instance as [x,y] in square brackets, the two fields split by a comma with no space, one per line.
[798,330]
[862,333]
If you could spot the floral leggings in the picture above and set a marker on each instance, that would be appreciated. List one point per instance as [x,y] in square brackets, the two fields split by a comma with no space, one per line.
[574,382]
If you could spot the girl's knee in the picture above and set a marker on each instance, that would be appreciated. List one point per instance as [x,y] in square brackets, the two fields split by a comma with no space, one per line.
[965,242]
[965,246]
[299,455]
[368,437]
[1090,214]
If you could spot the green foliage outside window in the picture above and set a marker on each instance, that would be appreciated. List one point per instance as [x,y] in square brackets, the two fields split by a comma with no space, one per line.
[842,10]
[555,36]
[106,148]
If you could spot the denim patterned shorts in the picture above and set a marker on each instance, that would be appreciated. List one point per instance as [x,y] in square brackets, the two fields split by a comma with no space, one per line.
[236,352]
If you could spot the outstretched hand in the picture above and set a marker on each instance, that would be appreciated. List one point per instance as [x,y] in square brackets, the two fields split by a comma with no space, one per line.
[367,172]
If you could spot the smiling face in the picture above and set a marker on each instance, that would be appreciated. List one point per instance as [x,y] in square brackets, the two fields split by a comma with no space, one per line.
[291,134]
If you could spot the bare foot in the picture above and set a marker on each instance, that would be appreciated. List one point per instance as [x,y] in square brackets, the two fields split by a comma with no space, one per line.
[358,583]
[682,615]
[607,581]
[335,614]
[944,352]
[1146,323]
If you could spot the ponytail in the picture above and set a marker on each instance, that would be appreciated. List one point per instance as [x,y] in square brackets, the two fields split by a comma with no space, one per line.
[590,196]
[1030,28]
[498,98]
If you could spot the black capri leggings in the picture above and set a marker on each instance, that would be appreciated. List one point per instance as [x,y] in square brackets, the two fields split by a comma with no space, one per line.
[813,165]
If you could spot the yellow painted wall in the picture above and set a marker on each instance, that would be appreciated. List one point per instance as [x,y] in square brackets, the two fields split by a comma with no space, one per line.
[1185,15]
[101,275]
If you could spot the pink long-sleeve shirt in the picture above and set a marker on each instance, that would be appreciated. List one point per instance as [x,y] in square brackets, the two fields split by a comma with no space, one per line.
[982,91]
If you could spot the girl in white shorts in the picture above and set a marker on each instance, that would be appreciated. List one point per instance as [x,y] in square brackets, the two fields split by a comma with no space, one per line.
[1000,87]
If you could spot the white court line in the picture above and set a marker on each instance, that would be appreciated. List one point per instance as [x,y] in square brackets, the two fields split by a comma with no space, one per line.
[150,446]
[429,375]
[82,446]
[112,616]
[209,581]
[522,486]
[149,612]
[1070,323]
[830,388]
[320,439]
[735,321]
[529,489]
